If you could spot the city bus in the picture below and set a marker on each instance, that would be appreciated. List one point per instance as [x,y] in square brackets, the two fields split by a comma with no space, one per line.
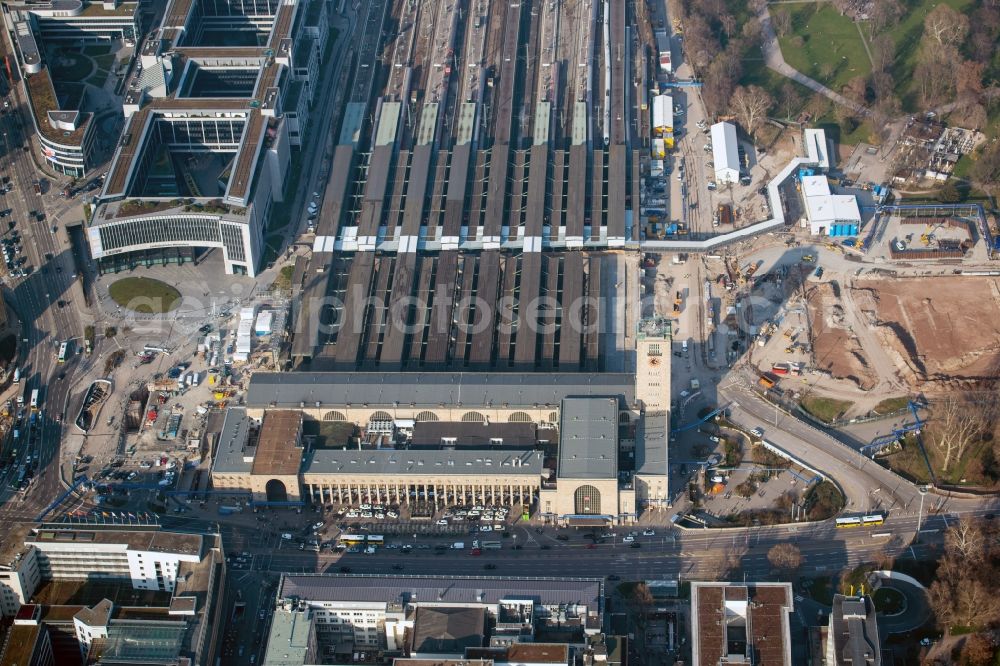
[861,521]
[351,539]
[34,400]
[491,545]
[63,348]
[375,540]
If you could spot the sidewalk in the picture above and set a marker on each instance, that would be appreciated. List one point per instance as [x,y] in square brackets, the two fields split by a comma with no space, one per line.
[776,61]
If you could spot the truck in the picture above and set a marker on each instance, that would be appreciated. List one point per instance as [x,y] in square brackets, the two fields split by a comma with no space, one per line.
[458,545]
[695,385]
[17,375]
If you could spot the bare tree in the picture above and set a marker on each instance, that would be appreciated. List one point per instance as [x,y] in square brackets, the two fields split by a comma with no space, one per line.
[883,50]
[945,26]
[791,100]
[751,105]
[959,599]
[884,14]
[967,542]
[785,556]
[781,19]
[959,421]
[728,22]
[856,90]
[977,651]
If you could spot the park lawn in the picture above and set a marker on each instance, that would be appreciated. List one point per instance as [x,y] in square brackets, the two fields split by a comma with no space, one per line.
[906,36]
[891,404]
[825,409]
[157,297]
[829,39]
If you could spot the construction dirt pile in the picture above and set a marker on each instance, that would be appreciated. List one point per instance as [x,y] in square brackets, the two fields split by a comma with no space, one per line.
[943,331]
[835,348]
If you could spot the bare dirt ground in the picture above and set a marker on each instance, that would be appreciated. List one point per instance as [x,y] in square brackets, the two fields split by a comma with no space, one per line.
[940,331]
[835,347]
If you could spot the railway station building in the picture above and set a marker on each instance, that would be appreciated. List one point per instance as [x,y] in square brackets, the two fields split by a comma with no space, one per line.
[575,447]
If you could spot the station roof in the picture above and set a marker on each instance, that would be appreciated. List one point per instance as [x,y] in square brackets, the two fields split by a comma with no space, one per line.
[588,444]
[279,449]
[404,462]
[472,389]
[232,454]
[725,149]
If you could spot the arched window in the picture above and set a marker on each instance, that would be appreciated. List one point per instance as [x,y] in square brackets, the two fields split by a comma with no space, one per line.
[276,491]
[587,501]
[334,416]
[519,417]
[426,416]
[624,418]
[380,416]
[473,417]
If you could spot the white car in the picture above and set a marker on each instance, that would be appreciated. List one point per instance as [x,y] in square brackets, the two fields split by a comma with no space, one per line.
[392,514]
[352,514]
[648,533]
[711,186]
[701,124]
[366,506]
[497,527]
[442,522]
[628,539]
[366,514]
[380,516]
[318,525]
[713,438]
[757,432]
[485,528]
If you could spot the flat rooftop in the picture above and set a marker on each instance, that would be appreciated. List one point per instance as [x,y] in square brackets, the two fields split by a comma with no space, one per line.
[472,389]
[151,541]
[588,438]
[445,589]
[406,462]
[279,449]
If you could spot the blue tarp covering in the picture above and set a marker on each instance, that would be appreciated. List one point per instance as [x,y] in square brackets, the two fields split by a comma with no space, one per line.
[841,230]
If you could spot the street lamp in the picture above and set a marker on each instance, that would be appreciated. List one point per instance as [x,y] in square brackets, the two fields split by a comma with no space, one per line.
[920,514]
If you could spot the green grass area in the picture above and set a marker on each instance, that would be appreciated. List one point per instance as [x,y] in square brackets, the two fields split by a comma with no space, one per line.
[906,36]
[888,601]
[284,279]
[69,66]
[825,409]
[891,405]
[831,51]
[144,295]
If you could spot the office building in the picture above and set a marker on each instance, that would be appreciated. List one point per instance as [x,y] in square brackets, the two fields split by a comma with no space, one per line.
[852,633]
[433,617]
[203,158]
[741,624]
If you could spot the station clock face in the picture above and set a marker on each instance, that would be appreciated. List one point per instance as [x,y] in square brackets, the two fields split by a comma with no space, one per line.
[654,361]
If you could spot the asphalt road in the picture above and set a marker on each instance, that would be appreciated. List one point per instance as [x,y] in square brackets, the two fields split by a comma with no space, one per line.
[44,324]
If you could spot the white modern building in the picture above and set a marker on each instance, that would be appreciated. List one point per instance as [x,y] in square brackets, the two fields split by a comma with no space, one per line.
[19,578]
[383,613]
[725,153]
[829,214]
[149,558]
[817,150]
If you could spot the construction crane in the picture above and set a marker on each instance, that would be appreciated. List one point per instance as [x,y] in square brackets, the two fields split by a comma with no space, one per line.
[876,445]
[708,417]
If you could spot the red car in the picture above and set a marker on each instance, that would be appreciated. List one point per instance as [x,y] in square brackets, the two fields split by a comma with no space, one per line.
[475,551]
